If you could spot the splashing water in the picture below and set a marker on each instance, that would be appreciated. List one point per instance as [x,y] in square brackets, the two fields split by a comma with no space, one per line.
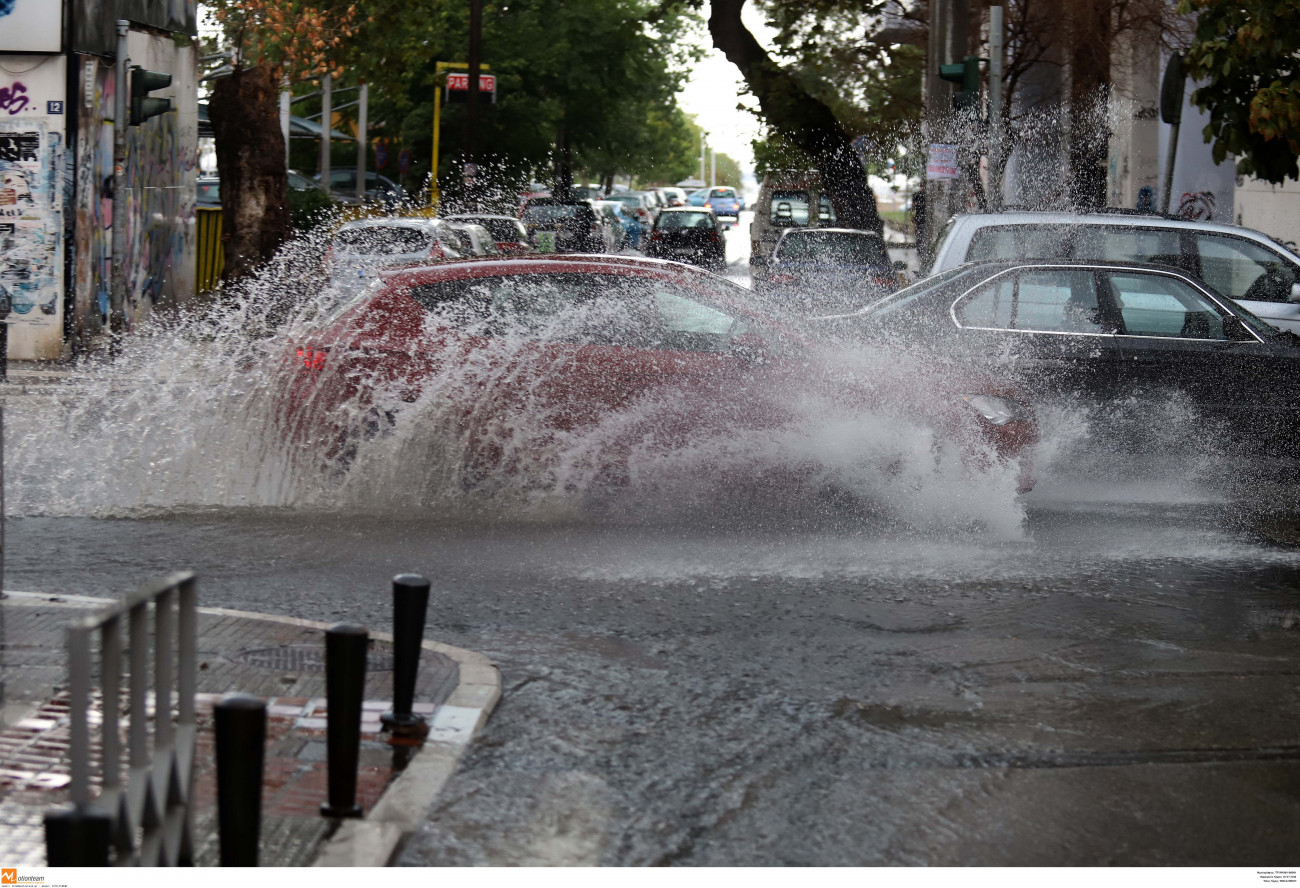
[190,414]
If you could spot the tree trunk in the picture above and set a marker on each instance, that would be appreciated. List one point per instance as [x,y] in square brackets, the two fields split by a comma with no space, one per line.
[804,120]
[1090,38]
[250,161]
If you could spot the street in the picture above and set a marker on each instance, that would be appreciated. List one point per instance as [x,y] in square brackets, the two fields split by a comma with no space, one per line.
[1101,672]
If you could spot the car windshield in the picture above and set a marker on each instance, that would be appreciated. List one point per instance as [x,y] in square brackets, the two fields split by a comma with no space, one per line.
[554,212]
[685,220]
[383,240]
[790,209]
[833,248]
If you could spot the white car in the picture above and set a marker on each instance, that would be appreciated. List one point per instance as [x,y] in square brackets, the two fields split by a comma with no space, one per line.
[361,248]
[1241,263]
[476,240]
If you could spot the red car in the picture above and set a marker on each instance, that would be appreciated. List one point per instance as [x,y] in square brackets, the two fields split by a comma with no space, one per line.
[553,367]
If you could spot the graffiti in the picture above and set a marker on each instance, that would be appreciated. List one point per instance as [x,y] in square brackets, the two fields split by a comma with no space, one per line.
[1198,205]
[6,7]
[13,98]
[29,204]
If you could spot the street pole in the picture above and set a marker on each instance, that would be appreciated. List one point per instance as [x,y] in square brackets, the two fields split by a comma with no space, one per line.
[363,128]
[475,50]
[117,303]
[949,20]
[437,130]
[995,107]
[326,127]
[713,167]
[704,141]
[285,111]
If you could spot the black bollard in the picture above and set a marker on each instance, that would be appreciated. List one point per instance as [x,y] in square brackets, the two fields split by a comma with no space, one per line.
[76,837]
[345,685]
[410,605]
[240,723]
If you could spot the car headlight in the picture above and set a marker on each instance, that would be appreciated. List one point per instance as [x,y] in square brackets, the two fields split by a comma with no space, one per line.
[997,411]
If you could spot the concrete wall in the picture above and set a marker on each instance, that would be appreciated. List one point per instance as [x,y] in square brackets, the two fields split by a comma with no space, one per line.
[1272,209]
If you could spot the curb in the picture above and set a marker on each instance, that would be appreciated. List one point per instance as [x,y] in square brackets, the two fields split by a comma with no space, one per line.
[375,839]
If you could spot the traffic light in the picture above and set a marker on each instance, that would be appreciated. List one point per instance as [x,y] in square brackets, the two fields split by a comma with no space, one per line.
[967,73]
[143,105]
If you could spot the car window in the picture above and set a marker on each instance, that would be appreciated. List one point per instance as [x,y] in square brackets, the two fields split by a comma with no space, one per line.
[1113,243]
[826,211]
[1046,300]
[383,240]
[1242,270]
[833,247]
[1019,242]
[684,220]
[789,208]
[1158,305]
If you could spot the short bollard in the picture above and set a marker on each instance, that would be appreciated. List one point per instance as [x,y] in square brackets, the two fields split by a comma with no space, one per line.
[77,837]
[345,684]
[240,723]
[410,605]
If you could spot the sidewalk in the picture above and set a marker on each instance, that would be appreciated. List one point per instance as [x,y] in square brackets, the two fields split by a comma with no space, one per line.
[276,658]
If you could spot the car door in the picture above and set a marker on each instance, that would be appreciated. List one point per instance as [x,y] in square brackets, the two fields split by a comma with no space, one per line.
[1049,328]
[1177,338]
[1258,277]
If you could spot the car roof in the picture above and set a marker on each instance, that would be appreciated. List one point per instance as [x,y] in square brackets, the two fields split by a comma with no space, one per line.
[539,262]
[793,231]
[466,217]
[1113,216]
[688,209]
[390,222]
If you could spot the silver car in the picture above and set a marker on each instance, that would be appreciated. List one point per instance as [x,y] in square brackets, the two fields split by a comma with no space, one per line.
[365,246]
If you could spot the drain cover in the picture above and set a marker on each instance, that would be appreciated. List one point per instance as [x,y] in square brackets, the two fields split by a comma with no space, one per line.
[304,658]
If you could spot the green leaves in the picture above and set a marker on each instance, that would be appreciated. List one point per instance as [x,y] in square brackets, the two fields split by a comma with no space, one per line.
[1248,59]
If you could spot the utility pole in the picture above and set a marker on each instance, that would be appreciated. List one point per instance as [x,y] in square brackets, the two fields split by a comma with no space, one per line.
[713,167]
[704,141]
[949,22]
[475,53]
[363,128]
[326,127]
[995,107]
[117,302]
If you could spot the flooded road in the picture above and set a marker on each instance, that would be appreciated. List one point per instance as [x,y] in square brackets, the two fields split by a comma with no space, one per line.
[1119,686]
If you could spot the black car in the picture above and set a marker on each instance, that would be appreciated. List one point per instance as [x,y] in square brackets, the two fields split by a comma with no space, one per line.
[688,234]
[557,226]
[1109,331]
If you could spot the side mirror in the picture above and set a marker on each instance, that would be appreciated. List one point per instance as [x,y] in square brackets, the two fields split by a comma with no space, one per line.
[1295,293]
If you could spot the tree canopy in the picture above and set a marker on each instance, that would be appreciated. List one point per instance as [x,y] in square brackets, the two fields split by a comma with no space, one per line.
[1247,53]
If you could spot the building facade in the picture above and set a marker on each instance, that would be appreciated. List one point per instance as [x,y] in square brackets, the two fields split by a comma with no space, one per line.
[57,92]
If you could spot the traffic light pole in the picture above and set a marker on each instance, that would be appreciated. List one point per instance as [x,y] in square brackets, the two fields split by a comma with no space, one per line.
[121,90]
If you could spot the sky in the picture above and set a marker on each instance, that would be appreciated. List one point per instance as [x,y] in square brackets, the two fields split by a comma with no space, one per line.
[714,91]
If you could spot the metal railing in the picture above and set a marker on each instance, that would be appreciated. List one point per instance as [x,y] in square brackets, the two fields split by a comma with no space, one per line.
[141,817]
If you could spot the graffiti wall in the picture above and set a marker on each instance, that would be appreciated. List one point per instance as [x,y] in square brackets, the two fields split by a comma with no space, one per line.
[161,163]
[32,164]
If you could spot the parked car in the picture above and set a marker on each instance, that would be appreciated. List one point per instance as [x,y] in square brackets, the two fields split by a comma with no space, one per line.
[785,200]
[830,269]
[688,234]
[475,239]
[656,353]
[1245,265]
[633,232]
[613,227]
[676,196]
[379,189]
[724,201]
[557,227]
[697,198]
[1103,332]
[362,247]
[508,232]
[637,204]
[208,188]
